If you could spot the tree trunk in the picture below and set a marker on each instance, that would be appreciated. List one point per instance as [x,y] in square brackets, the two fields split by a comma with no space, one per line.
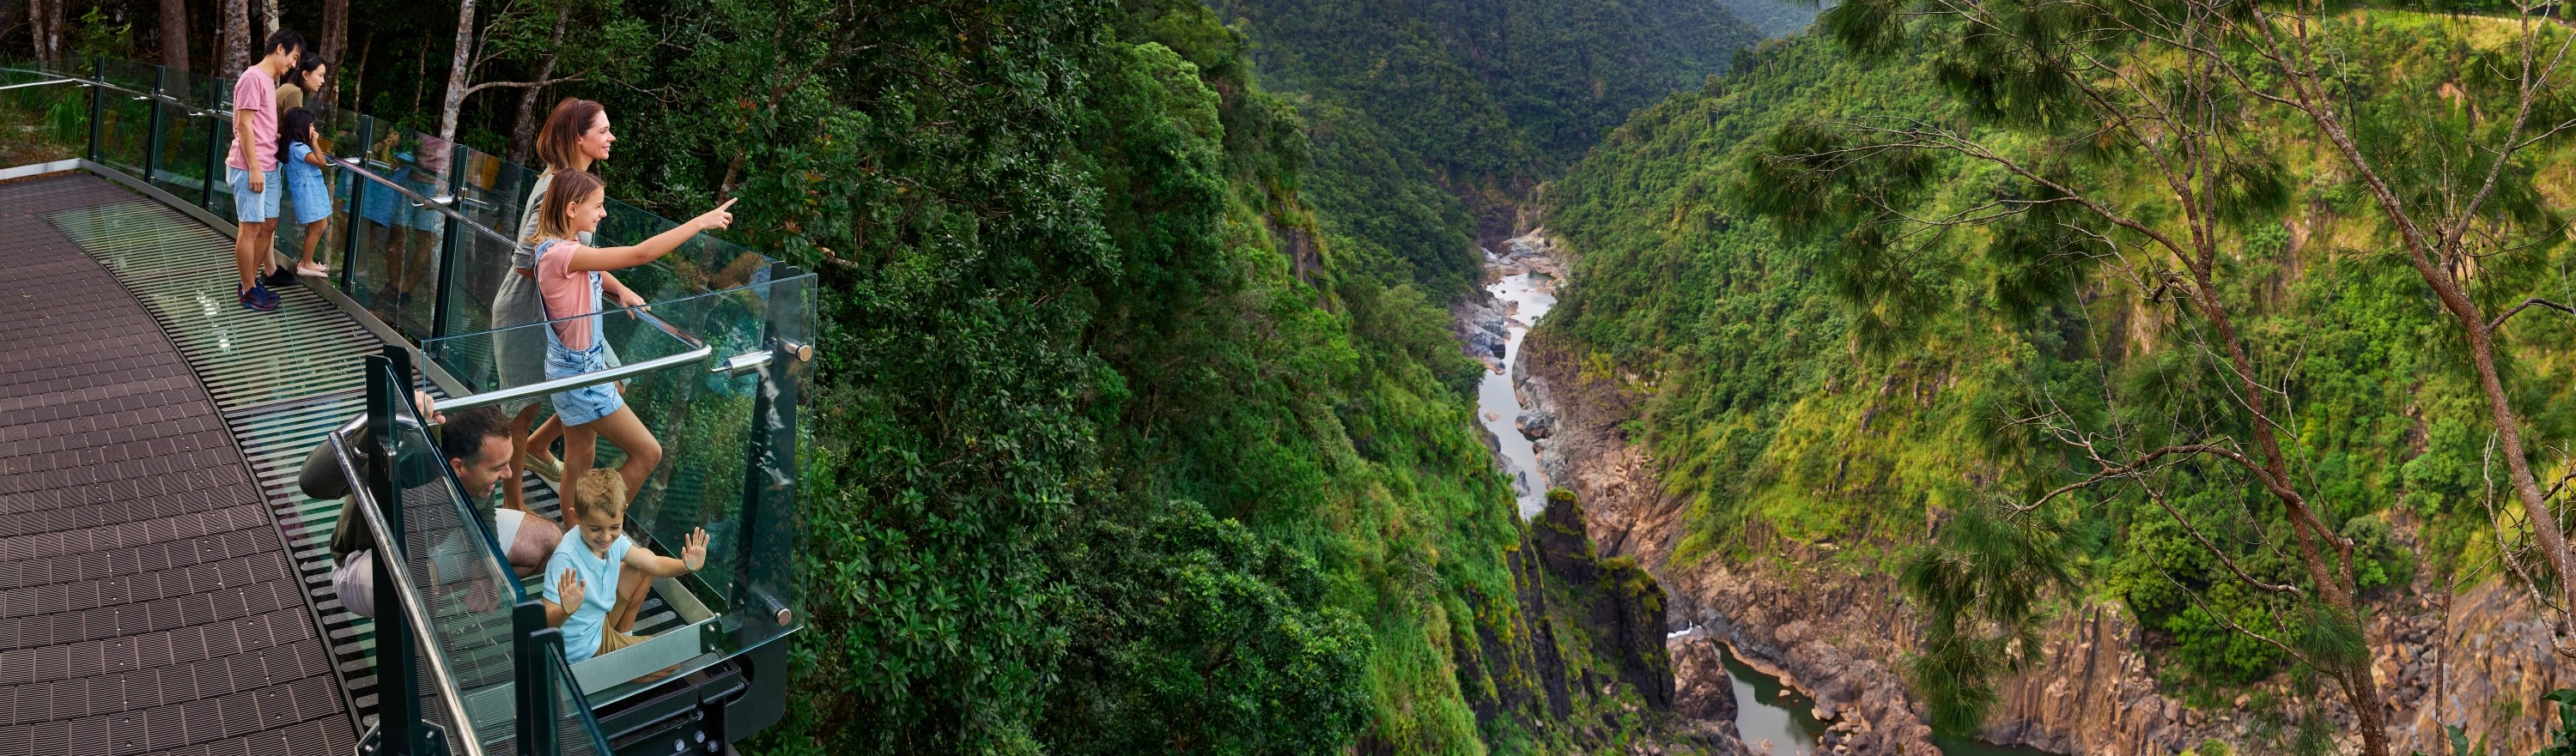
[267,18]
[45,29]
[455,99]
[174,34]
[2333,585]
[523,128]
[236,38]
[333,45]
[357,74]
[57,14]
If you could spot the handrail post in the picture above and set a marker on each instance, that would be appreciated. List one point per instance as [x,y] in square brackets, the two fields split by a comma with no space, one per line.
[397,691]
[536,679]
[215,138]
[760,595]
[97,108]
[357,193]
[448,245]
[152,158]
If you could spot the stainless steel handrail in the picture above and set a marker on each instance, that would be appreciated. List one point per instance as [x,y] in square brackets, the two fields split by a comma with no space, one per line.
[569,383]
[439,204]
[106,86]
[454,700]
[35,84]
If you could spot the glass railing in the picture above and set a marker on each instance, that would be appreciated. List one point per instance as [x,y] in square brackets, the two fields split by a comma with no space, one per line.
[420,236]
[42,118]
[452,622]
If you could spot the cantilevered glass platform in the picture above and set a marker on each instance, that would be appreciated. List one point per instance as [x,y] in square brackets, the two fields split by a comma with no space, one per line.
[165,584]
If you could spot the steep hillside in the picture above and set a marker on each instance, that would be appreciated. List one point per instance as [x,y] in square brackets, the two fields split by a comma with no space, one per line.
[1774,18]
[1432,118]
[1762,415]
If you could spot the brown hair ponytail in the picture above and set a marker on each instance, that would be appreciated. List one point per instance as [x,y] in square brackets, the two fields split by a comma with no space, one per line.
[558,140]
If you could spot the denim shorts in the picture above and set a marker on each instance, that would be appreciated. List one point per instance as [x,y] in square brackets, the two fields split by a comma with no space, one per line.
[587,404]
[255,208]
[423,218]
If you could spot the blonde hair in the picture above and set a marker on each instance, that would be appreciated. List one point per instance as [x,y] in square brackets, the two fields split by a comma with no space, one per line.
[601,490]
[554,212]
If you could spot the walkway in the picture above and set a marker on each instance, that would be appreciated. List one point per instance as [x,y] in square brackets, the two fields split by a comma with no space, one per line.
[147,601]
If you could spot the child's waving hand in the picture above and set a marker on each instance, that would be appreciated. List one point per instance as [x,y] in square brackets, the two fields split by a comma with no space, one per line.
[694,554]
[570,589]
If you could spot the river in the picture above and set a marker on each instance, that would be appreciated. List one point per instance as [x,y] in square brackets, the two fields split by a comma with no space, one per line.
[1523,298]
[1771,716]
[1768,715]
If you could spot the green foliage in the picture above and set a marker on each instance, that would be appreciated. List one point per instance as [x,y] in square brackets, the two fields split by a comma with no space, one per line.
[94,34]
[1809,379]
[1430,117]
[1985,569]
[1192,634]
[1120,444]
[2562,736]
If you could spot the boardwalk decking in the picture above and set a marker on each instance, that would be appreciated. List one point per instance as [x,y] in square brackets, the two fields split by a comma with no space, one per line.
[148,603]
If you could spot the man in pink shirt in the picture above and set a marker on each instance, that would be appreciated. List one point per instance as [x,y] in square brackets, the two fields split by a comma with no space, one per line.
[251,166]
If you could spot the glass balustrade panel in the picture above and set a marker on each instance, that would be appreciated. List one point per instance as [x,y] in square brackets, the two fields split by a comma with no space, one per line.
[40,124]
[187,135]
[460,580]
[126,138]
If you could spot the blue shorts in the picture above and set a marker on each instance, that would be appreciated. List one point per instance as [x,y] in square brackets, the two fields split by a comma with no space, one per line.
[587,404]
[255,208]
[423,218]
[312,198]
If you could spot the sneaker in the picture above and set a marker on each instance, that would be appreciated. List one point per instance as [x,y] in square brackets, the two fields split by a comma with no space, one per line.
[258,299]
[280,277]
[263,293]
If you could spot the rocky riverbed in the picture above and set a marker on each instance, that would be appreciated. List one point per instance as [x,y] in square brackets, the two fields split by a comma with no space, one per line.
[2478,658]
[1520,289]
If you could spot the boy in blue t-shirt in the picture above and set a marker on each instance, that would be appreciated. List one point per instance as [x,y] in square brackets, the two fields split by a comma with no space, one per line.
[601,574]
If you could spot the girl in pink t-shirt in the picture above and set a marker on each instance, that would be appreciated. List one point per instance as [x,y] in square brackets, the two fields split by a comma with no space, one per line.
[568,281]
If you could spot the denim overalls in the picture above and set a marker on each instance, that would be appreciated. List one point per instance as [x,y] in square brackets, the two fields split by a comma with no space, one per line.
[583,405]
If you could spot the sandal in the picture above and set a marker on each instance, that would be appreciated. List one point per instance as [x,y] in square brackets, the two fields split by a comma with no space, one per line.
[548,469]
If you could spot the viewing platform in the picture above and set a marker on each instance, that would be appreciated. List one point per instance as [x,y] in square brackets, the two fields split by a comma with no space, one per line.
[166,586]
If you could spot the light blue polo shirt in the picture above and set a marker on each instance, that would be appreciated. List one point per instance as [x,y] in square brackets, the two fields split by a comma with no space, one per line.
[583,624]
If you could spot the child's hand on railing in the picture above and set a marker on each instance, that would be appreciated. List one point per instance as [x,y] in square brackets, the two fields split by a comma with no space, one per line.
[695,553]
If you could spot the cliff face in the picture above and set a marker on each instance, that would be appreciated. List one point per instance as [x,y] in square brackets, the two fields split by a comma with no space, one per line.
[2481,661]
[1584,662]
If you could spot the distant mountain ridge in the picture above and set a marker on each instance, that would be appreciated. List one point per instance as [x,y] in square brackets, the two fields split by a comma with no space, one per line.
[1482,100]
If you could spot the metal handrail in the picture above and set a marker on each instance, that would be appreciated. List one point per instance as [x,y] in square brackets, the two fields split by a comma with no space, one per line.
[439,204]
[34,84]
[541,388]
[393,562]
[61,78]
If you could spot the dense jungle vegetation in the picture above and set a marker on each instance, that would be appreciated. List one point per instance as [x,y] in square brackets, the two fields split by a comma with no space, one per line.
[1432,119]
[1138,425]
[1801,393]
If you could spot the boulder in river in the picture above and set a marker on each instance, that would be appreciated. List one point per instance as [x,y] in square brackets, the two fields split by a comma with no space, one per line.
[1535,425]
[1701,689]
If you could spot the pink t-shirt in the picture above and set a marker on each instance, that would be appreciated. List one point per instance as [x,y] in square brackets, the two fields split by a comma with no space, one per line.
[567,294]
[256,93]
